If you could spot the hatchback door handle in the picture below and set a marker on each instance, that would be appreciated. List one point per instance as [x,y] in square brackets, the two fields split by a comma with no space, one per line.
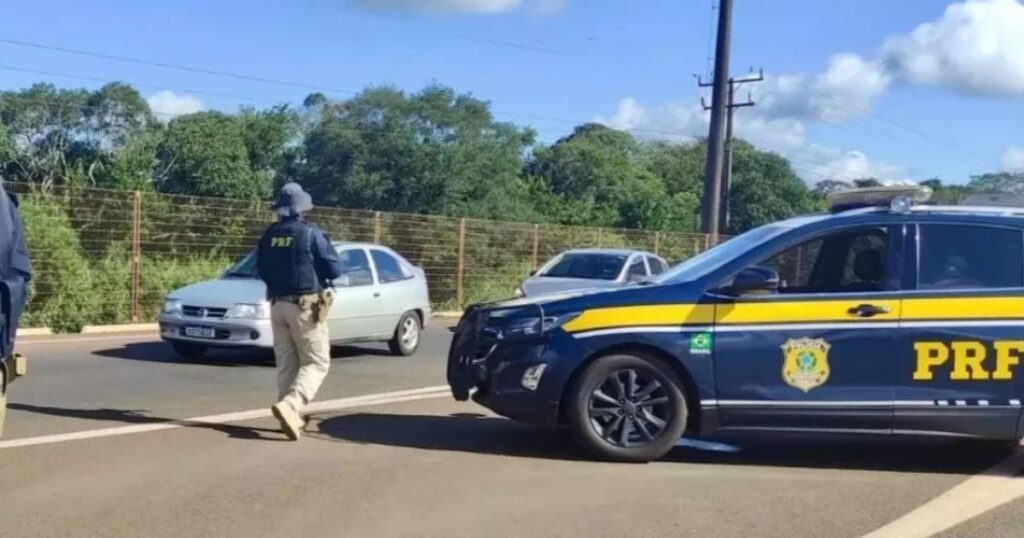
[376,294]
[867,310]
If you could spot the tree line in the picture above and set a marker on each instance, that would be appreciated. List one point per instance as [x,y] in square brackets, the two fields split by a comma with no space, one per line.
[435,151]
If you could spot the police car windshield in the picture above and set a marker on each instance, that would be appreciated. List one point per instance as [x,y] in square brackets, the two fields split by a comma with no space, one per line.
[717,256]
[246,268]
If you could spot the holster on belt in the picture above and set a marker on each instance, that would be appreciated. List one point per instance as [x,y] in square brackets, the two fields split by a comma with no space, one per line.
[322,305]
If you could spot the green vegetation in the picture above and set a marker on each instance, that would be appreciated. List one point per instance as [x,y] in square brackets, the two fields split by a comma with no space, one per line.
[435,152]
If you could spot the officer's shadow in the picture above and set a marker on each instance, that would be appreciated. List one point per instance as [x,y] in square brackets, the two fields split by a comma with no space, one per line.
[139,417]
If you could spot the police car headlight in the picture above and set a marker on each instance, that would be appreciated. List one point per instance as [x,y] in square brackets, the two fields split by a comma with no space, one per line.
[519,292]
[534,325]
[172,307]
[250,311]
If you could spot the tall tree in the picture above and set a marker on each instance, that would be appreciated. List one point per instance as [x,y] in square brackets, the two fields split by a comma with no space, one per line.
[998,183]
[434,151]
[206,154]
[765,189]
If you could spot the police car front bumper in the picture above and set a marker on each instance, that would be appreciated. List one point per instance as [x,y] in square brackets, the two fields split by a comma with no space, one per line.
[519,379]
[227,332]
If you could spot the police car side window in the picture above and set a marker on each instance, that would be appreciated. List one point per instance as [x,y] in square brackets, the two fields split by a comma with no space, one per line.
[355,269]
[796,266]
[657,266]
[851,261]
[388,268]
[954,256]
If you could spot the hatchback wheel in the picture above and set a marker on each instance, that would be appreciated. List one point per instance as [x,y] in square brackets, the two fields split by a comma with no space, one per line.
[628,408]
[407,335]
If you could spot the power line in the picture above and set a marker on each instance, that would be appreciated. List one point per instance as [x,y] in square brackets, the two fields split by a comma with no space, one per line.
[108,81]
[178,67]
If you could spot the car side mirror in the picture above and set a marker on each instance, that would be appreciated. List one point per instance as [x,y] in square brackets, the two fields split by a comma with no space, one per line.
[533,272]
[342,281]
[753,280]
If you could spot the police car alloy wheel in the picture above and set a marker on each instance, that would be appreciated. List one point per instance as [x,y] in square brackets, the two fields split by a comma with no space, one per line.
[628,408]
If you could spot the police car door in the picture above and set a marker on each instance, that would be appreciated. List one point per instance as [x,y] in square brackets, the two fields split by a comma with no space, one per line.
[820,353]
[963,330]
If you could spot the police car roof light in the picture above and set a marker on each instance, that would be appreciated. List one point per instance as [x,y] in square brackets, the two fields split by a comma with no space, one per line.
[896,197]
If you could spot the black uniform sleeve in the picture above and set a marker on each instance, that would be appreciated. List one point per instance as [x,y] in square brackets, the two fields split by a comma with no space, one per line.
[325,258]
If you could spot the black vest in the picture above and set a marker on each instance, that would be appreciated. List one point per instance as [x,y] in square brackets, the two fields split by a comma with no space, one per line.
[286,259]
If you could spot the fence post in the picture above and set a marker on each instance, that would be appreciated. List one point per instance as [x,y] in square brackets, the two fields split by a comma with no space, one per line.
[462,265]
[600,236]
[136,264]
[657,243]
[707,241]
[536,245]
[376,226]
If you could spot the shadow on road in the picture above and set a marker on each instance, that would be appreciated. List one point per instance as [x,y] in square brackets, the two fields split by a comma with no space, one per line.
[494,436]
[135,416]
[224,357]
[462,433]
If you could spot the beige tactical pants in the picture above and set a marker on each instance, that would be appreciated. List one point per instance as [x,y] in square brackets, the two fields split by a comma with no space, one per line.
[302,349]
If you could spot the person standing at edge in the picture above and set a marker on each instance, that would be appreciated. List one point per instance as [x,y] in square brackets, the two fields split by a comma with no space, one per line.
[297,262]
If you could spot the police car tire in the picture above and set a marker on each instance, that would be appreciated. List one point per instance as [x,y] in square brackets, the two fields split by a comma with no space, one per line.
[189,350]
[583,431]
[396,345]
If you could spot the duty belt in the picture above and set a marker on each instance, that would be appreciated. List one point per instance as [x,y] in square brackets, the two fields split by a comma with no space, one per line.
[294,299]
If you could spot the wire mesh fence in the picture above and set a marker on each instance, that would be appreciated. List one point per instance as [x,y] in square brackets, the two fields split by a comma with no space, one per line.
[104,257]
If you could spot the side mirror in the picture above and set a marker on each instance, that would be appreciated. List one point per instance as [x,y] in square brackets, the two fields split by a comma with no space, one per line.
[533,272]
[753,280]
[342,281]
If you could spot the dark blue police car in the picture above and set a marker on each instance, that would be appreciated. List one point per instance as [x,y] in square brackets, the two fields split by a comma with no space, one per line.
[878,318]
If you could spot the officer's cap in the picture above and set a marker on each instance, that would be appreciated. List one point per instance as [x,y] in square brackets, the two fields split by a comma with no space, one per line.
[292,201]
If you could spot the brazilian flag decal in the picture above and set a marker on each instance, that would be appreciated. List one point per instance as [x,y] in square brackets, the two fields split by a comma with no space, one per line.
[700,343]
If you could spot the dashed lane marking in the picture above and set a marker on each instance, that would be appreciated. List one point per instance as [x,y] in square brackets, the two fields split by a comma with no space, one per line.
[240,416]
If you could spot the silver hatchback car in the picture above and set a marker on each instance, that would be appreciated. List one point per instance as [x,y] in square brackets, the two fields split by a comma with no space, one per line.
[593,268]
[380,297]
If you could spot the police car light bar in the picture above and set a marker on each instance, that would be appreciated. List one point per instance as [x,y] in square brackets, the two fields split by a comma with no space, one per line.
[898,197]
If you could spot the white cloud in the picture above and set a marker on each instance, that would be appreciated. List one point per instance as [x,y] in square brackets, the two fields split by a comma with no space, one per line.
[167,105]
[817,163]
[976,46]
[1013,160]
[464,6]
[786,136]
[847,89]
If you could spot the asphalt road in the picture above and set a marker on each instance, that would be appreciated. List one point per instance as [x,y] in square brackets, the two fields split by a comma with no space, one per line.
[422,467]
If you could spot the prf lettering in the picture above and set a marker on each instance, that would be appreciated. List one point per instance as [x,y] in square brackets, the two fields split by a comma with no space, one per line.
[971,361]
[281,241]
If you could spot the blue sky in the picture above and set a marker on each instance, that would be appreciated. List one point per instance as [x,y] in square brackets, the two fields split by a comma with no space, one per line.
[901,102]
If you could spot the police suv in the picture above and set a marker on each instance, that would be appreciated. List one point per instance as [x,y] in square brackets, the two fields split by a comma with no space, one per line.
[886,316]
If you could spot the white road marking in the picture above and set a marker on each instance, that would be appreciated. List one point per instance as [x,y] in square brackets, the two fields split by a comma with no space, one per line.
[991,488]
[153,337]
[240,416]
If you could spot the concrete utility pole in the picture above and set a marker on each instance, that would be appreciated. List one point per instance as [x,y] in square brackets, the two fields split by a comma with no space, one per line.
[716,135]
[726,182]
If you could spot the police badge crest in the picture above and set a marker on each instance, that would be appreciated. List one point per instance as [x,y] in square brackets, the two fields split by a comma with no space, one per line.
[805,363]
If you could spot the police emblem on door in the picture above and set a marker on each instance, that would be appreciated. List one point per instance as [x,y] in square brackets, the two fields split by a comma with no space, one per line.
[805,363]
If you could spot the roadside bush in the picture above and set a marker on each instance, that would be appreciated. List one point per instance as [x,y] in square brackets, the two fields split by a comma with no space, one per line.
[62,294]
[162,275]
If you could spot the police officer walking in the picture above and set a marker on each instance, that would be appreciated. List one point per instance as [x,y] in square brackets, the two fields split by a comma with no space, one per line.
[297,262]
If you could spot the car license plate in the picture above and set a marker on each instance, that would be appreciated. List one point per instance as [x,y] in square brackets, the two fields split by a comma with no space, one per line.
[200,332]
